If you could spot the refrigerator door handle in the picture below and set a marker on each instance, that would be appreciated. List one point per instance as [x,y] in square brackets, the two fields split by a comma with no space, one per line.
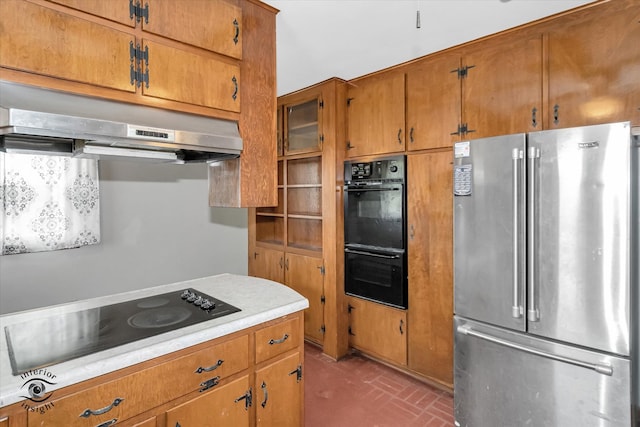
[533,314]
[601,368]
[516,308]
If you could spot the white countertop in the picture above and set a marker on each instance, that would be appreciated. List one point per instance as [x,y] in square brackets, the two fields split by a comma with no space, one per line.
[260,300]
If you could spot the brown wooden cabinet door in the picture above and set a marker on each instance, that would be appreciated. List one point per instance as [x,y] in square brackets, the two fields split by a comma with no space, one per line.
[43,41]
[433,103]
[114,10]
[430,248]
[214,25]
[376,115]
[278,393]
[268,264]
[183,76]
[502,93]
[378,329]
[302,126]
[304,275]
[594,68]
[217,407]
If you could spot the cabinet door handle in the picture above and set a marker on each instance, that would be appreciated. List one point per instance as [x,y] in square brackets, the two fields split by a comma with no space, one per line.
[399,136]
[412,232]
[281,262]
[210,368]
[108,423]
[401,327]
[556,114]
[237,31]
[411,135]
[234,80]
[88,412]
[264,392]
[286,263]
[534,119]
[298,372]
[280,341]
[247,397]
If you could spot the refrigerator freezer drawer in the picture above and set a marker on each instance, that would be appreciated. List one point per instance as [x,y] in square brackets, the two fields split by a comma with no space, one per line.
[506,378]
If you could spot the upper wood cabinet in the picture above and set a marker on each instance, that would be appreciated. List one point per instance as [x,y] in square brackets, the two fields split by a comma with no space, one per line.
[56,44]
[501,87]
[594,66]
[213,25]
[375,115]
[433,102]
[302,126]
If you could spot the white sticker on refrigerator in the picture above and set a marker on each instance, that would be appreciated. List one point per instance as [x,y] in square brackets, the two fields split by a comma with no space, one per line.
[462,180]
[461,149]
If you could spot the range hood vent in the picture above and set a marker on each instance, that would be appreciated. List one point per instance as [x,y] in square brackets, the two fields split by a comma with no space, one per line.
[41,121]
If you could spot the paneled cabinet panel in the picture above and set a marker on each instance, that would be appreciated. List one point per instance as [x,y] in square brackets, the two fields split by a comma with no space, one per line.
[594,67]
[430,264]
[502,87]
[304,275]
[378,330]
[64,46]
[375,115]
[206,80]
[229,409]
[279,390]
[433,102]
[215,25]
[114,10]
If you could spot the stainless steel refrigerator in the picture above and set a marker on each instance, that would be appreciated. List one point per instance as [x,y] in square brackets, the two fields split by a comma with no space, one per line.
[546,272]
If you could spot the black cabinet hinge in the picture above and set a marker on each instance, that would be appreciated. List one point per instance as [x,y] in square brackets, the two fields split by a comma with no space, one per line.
[247,397]
[349,146]
[351,332]
[138,54]
[138,11]
[323,300]
[349,308]
[463,72]
[463,129]
[298,372]
[321,104]
[349,101]
[323,329]
[138,77]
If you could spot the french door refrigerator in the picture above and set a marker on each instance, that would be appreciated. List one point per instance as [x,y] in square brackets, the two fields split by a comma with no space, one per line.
[546,267]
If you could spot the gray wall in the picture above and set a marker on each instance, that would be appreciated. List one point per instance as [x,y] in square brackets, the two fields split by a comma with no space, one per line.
[156,227]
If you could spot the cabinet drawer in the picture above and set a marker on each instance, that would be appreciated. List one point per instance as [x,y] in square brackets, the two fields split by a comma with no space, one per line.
[277,339]
[133,394]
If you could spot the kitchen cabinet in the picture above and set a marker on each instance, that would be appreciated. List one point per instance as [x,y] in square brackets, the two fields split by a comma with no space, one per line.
[433,102]
[378,330]
[594,64]
[229,410]
[376,115]
[295,241]
[279,393]
[430,265]
[64,46]
[493,87]
[206,384]
[76,48]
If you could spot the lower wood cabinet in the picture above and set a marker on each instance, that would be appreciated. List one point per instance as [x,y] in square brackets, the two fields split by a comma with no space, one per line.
[378,330]
[251,377]
[224,406]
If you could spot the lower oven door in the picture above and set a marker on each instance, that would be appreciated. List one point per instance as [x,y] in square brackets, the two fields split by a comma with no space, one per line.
[376,275]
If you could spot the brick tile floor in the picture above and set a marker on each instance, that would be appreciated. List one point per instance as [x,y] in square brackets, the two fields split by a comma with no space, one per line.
[358,392]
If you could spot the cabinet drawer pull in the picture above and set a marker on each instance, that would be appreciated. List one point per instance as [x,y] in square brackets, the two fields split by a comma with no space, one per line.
[280,341]
[234,80]
[88,412]
[108,423]
[266,395]
[210,368]
[237,32]
[206,385]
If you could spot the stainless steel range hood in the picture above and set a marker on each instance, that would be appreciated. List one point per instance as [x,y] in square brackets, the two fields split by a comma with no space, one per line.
[36,120]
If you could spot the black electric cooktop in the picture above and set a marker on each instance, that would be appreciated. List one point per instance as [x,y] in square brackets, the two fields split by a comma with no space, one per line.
[43,342]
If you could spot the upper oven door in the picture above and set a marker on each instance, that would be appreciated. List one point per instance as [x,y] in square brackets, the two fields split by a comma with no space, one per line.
[373,215]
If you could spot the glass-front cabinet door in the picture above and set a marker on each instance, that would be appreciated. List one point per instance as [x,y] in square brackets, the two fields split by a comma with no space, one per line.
[302,127]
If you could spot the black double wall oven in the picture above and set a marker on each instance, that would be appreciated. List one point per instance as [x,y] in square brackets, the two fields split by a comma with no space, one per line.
[375,230]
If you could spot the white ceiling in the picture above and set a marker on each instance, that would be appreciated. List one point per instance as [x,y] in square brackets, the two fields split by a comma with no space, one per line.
[320,39]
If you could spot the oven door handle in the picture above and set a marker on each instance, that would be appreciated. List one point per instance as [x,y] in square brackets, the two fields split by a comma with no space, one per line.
[351,251]
[361,189]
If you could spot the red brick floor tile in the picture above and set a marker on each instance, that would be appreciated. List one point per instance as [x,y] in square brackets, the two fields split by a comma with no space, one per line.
[358,392]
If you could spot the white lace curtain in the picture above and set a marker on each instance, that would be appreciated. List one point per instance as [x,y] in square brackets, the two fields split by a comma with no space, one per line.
[48,203]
